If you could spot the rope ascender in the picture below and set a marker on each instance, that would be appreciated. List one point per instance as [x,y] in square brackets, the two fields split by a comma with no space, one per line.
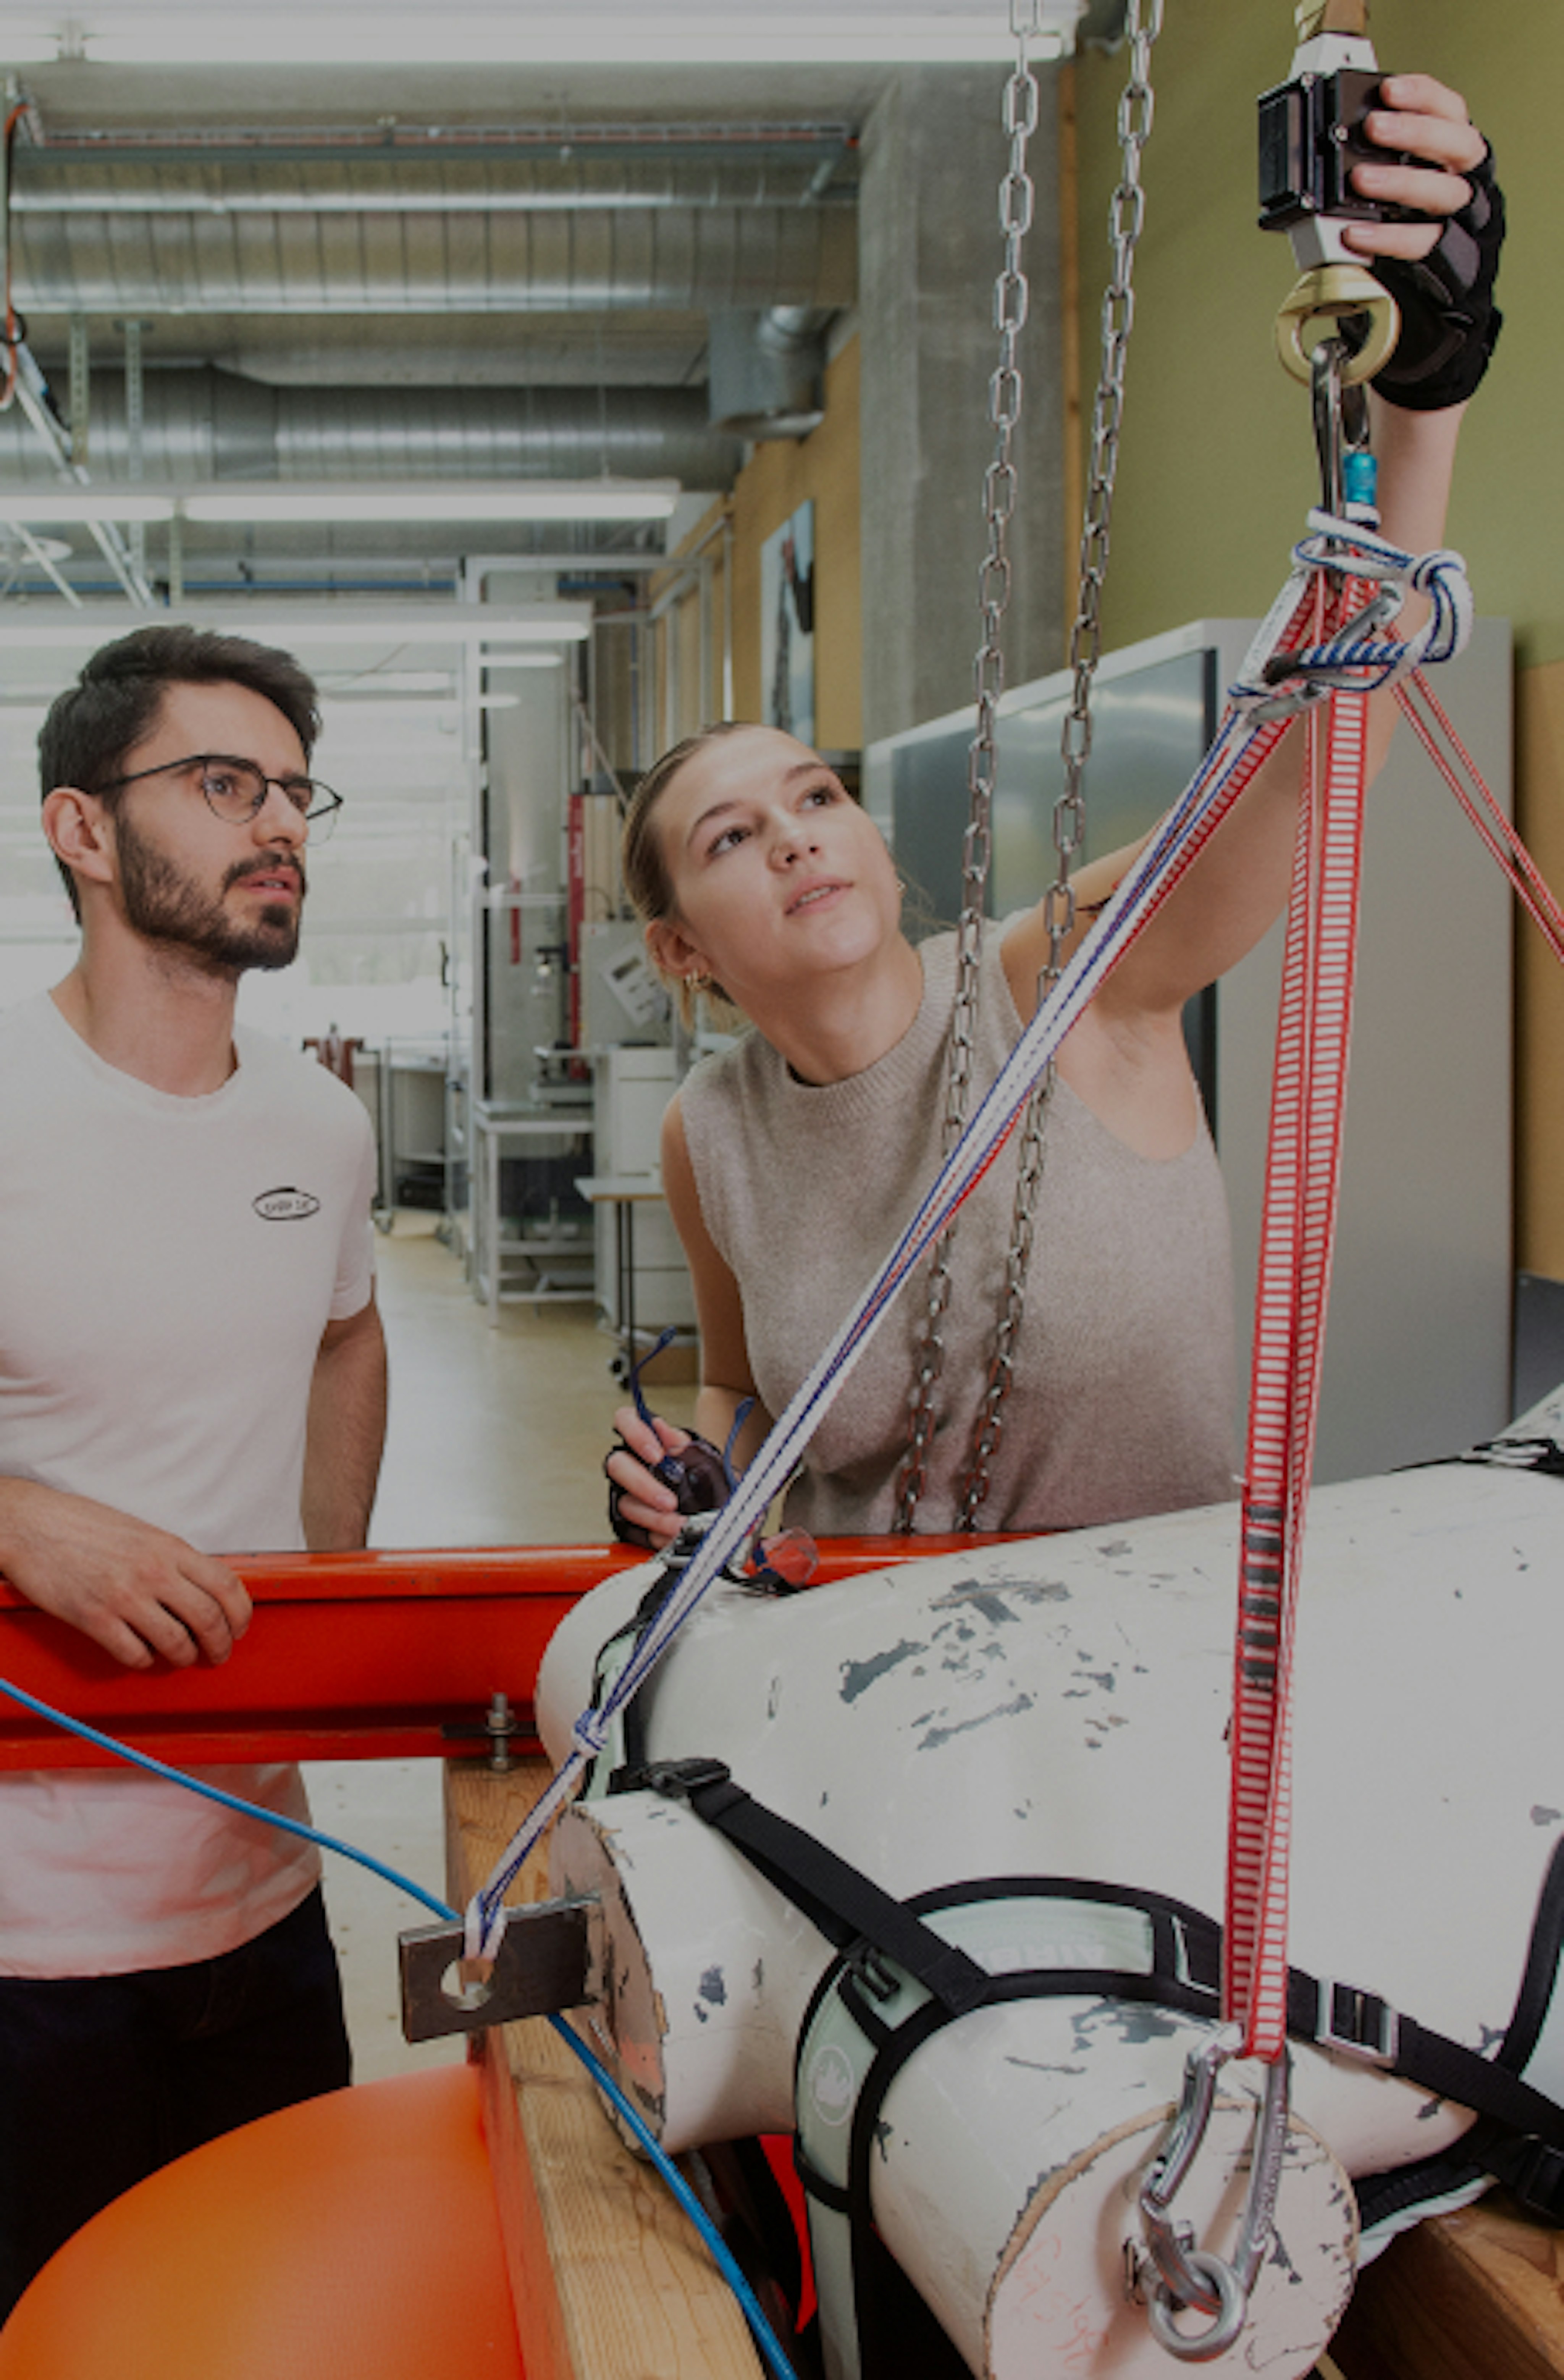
[1126,214]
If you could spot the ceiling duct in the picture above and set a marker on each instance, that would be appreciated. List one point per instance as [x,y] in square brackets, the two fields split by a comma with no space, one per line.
[207,424]
[765,370]
[73,178]
[354,258]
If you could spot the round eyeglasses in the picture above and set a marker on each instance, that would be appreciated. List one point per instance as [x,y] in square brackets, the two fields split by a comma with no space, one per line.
[236,790]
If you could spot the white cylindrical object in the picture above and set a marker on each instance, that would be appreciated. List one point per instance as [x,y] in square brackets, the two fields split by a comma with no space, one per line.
[1058,1709]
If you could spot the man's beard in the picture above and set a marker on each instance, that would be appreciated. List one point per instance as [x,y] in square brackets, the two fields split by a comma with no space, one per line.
[168,908]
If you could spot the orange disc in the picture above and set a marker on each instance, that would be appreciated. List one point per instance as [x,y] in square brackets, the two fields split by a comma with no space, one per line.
[353,2238]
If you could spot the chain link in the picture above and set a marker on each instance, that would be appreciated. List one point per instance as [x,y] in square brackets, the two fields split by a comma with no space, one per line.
[1126,216]
[1012,300]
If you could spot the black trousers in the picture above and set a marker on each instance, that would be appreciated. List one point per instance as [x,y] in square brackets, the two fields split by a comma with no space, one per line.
[106,2077]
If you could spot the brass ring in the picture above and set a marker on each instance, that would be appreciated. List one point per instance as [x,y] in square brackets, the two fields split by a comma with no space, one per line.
[1327,293]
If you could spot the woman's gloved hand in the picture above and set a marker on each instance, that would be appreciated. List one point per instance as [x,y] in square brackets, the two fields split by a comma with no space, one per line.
[659,1474]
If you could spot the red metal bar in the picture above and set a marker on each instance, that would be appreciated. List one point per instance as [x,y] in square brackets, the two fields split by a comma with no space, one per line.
[349,1657]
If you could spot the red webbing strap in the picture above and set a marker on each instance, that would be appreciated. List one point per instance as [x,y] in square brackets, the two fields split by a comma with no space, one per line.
[1464,779]
[1297,1237]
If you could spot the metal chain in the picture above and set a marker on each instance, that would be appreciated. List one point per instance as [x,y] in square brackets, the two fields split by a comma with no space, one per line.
[1126,215]
[1011,298]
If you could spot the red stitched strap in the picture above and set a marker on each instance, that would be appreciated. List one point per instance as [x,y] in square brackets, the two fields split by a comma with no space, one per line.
[1297,1239]
[1463,777]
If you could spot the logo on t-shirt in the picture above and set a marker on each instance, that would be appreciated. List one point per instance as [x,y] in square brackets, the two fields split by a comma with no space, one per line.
[285,1206]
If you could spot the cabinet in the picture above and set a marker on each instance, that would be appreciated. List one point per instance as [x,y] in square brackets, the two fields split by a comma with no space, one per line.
[631,1087]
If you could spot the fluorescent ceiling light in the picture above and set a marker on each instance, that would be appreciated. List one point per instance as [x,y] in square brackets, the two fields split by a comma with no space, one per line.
[520,661]
[69,502]
[334,623]
[584,34]
[452,500]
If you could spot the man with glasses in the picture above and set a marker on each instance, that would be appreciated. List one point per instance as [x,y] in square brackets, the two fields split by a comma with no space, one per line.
[191,1365]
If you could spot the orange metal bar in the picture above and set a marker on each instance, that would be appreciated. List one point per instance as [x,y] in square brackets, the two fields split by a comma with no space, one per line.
[349,1657]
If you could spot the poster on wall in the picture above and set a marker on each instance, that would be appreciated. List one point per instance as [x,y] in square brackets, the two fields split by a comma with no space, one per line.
[787,626]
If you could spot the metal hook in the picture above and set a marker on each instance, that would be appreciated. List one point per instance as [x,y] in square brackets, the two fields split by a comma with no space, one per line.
[1342,424]
[1187,2275]
[1325,386]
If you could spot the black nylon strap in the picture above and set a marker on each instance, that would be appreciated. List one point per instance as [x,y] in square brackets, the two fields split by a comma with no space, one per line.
[817,2185]
[1418,2188]
[631,1720]
[848,1908]
[840,1899]
[1452,2071]
[1541,1973]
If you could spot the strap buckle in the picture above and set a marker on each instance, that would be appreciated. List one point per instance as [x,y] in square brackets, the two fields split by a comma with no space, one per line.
[1357,2024]
[872,1969]
[1537,2180]
[677,1779]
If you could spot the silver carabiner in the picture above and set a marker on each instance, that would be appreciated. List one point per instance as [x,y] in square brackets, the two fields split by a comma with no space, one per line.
[1187,2275]
[1340,417]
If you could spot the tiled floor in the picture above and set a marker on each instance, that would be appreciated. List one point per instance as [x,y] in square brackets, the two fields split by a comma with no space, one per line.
[497,1437]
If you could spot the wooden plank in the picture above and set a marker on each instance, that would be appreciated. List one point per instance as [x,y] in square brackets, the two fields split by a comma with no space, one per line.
[610,2279]
[1478,2295]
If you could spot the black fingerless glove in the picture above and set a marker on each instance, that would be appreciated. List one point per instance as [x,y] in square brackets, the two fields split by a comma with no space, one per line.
[698,1475]
[1449,320]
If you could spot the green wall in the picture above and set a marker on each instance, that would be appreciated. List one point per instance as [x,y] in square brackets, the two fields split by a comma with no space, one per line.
[1217,466]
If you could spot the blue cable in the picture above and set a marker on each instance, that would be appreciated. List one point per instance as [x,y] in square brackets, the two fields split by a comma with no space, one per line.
[216,1793]
[717,2247]
[721,2255]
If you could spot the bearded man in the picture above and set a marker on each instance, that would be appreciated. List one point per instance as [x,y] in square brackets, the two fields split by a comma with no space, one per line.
[192,1364]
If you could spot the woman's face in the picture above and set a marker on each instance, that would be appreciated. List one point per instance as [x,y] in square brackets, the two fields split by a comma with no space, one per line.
[778,875]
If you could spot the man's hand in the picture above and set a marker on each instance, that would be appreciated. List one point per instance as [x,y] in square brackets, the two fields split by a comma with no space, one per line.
[138,1592]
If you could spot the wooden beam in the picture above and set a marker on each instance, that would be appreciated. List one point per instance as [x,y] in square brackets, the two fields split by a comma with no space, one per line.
[609,2280]
[1477,2295]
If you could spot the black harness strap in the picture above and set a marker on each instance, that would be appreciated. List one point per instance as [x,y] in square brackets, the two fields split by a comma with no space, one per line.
[859,1918]
[1519,2137]
[839,1899]
[632,1718]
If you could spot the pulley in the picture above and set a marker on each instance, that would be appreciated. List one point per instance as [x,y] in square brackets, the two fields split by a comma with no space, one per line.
[1311,136]
[1333,294]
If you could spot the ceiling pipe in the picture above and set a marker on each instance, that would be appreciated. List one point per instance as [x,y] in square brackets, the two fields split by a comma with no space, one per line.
[560,137]
[473,260]
[765,371]
[173,181]
[212,425]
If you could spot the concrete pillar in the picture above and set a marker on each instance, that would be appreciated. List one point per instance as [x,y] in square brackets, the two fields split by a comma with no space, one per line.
[929,248]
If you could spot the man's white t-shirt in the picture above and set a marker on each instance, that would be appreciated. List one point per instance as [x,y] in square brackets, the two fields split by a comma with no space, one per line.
[168,1266]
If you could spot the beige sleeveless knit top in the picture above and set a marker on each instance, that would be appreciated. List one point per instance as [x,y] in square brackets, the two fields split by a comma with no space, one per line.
[1123,1400]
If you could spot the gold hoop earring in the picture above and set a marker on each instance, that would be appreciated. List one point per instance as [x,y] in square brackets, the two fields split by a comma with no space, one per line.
[697,983]
[901,884]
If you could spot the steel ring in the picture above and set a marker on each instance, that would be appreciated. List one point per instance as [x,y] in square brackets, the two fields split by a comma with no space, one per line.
[1204,2346]
[1329,292]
